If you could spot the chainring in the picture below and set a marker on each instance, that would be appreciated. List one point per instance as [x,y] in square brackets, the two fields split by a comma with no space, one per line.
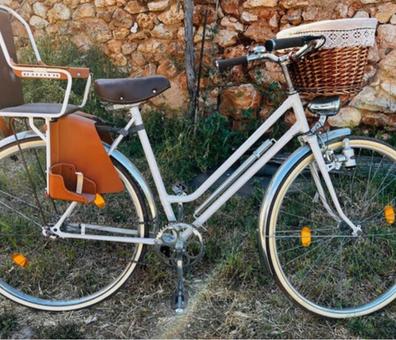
[170,240]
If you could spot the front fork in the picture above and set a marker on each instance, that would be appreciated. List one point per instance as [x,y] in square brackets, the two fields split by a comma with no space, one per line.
[313,142]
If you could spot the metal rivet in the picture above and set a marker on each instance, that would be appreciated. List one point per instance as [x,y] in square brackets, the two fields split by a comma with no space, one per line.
[154,91]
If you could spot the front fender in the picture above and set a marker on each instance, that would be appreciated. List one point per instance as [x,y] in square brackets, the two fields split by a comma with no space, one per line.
[118,156]
[277,180]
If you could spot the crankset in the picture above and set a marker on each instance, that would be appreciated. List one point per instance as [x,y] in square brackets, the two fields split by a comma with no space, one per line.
[171,245]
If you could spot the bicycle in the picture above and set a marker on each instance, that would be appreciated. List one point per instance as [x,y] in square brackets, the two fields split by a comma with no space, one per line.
[326,225]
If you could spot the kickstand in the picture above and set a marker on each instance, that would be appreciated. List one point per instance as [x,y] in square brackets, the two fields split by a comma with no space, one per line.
[180,297]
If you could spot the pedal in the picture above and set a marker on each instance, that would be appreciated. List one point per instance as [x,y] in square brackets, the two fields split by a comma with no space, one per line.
[179,302]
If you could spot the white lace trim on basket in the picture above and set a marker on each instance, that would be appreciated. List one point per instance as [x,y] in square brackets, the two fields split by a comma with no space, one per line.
[338,33]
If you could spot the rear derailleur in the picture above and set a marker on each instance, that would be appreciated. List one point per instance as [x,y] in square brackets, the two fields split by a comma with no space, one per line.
[180,245]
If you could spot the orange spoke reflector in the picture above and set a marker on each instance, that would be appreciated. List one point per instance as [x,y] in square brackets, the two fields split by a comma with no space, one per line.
[305,236]
[389,213]
[20,260]
[99,201]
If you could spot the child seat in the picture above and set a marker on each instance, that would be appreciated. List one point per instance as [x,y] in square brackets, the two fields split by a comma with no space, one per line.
[10,85]
[77,152]
[78,167]
[11,94]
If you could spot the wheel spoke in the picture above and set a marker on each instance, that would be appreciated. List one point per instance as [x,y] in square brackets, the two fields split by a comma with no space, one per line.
[20,214]
[64,273]
[336,270]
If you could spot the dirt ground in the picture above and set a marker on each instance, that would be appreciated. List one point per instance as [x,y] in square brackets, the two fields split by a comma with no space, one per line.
[231,296]
[224,303]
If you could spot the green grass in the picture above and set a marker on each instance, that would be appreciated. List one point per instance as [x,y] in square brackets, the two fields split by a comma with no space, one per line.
[375,132]
[377,326]
[8,324]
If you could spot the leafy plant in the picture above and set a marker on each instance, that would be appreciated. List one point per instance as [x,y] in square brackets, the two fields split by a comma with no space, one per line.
[183,153]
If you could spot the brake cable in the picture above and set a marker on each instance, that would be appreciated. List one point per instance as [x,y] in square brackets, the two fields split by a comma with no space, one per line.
[42,172]
[28,173]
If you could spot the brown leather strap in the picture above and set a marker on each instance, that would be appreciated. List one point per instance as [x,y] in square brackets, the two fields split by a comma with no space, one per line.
[75,72]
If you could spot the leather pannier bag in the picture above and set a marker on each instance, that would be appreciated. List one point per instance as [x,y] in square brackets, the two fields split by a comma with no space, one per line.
[80,166]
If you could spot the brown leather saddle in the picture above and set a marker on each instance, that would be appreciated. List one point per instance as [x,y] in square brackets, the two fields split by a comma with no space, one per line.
[130,90]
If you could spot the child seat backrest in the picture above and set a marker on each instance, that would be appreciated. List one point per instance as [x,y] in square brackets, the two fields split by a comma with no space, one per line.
[10,85]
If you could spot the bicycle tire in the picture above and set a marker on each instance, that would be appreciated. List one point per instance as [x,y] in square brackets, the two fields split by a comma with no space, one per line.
[276,266]
[137,200]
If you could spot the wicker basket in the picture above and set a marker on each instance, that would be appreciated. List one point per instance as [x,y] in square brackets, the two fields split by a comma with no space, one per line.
[338,67]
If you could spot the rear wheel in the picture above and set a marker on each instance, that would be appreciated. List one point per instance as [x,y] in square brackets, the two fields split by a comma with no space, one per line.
[61,274]
[317,260]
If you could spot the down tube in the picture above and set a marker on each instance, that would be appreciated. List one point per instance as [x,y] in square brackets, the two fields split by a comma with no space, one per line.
[286,138]
[272,119]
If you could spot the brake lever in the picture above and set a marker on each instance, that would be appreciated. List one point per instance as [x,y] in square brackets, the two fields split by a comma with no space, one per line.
[261,53]
[259,50]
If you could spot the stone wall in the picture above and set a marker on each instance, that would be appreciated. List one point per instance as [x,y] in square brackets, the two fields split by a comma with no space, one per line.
[147,37]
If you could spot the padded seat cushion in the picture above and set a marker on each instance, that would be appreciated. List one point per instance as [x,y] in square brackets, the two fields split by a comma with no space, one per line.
[130,90]
[40,108]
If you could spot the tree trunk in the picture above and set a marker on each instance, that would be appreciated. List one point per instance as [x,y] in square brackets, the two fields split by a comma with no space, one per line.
[189,59]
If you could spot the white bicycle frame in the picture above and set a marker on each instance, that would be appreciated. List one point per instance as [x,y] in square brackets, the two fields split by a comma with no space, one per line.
[300,127]
[240,177]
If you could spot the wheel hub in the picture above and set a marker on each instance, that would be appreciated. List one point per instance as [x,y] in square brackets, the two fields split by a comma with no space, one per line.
[346,229]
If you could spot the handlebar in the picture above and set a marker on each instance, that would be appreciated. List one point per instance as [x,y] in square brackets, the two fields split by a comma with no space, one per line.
[224,64]
[281,44]
[259,52]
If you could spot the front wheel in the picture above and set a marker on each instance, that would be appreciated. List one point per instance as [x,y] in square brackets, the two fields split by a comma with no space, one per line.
[316,260]
[61,274]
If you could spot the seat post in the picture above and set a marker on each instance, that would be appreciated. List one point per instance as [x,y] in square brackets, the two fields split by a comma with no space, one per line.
[153,165]
[122,135]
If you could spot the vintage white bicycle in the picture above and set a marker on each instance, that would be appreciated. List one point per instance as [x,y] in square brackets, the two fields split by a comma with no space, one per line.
[70,237]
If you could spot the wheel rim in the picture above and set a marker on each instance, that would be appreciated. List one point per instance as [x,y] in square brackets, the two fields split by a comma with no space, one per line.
[284,274]
[78,273]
